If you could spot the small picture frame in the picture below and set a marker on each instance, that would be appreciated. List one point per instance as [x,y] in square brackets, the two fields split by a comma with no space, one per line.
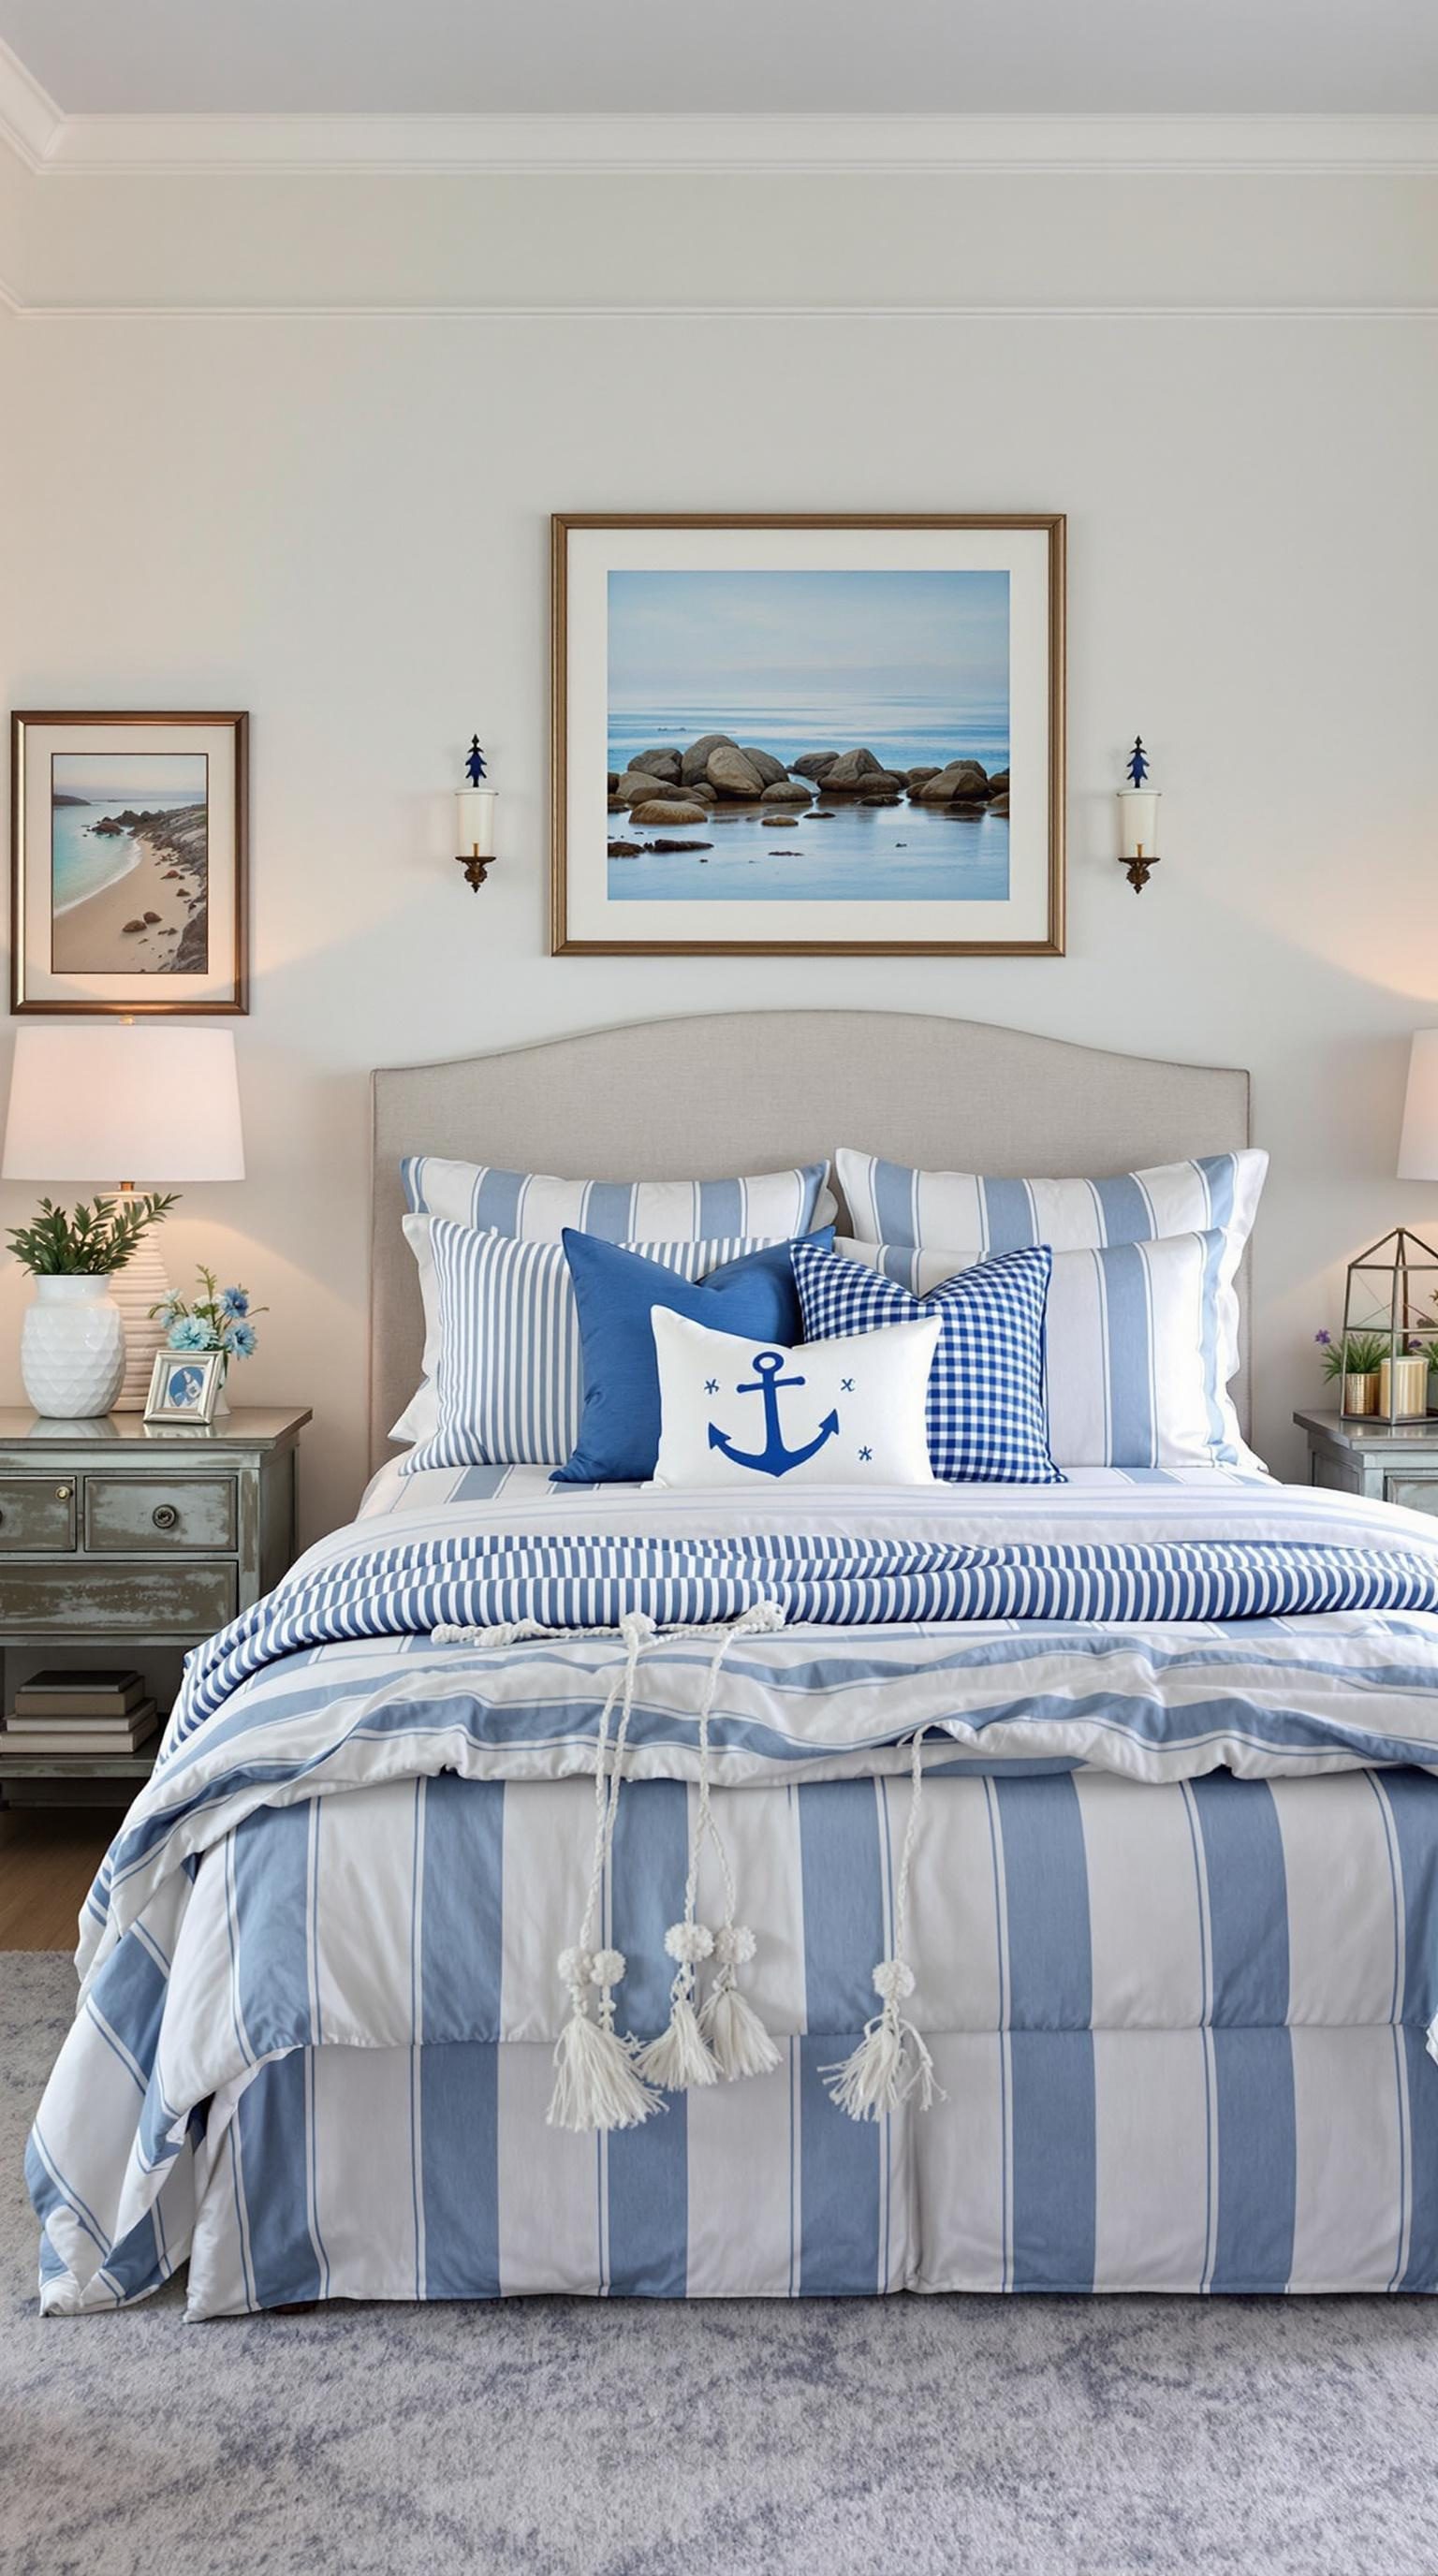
[185,1386]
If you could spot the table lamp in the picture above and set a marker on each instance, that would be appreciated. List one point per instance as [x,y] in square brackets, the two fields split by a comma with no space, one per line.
[156,1105]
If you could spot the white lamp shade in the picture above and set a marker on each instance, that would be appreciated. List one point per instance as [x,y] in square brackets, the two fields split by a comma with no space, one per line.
[1138,821]
[1418,1146]
[124,1102]
[476,820]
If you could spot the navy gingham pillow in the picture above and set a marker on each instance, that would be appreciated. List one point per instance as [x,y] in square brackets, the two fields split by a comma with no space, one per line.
[986,1418]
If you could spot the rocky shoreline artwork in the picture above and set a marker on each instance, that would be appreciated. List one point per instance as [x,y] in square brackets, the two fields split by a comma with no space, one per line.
[812,671]
[830,753]
[128,863]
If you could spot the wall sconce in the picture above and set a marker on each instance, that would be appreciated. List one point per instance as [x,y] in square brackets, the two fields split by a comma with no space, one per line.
[476,820]
[1138,820]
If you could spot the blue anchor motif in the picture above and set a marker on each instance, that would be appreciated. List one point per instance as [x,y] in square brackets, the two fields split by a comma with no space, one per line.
[773,1459]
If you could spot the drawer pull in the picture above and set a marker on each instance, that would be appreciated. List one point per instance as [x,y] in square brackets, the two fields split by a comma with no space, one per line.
[165,1516]
[63,1493]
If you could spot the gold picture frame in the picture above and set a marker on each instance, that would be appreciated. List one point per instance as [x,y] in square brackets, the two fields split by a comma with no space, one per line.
[1006,899]
[129,863]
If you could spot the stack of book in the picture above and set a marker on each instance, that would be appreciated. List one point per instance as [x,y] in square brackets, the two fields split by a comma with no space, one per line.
[80,1715]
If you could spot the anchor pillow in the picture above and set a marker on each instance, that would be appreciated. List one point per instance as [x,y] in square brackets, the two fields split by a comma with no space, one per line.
[615,1292]
[739,1411]
[987,1423]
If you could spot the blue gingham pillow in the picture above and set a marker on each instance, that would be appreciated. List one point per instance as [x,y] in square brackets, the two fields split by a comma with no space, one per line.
[986,1392]
[509,1383]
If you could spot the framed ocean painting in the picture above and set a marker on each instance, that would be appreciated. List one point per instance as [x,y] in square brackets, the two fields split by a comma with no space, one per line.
[127,863]
[784,736]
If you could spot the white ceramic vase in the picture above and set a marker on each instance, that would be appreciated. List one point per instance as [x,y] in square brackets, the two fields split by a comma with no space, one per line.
[72,1347]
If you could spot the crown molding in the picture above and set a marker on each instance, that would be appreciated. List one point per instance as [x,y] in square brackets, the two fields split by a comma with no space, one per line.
[30,121]
[55,145]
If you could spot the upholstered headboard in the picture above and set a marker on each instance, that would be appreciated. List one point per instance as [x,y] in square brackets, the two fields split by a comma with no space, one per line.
[753,1091]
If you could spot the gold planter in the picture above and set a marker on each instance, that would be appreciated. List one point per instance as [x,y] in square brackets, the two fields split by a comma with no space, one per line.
[1360,1392]
[1403,1389]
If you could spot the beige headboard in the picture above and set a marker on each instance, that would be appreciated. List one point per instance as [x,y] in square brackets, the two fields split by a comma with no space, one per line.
[753,1091]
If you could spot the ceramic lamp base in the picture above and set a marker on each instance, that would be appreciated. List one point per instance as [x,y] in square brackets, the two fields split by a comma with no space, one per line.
[135,1289]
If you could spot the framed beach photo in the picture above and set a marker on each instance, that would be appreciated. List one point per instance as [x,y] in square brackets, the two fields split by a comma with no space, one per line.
[127,863]
[794,736]
[185,1386]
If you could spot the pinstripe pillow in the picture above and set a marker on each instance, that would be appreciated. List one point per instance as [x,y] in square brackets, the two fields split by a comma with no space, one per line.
[986,1395]
[892,1203]
[509,1384]
[534,1207]
[1133,1371]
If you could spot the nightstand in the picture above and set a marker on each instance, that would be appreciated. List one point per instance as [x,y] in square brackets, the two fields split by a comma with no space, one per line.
[120,1533]
[1359,1454]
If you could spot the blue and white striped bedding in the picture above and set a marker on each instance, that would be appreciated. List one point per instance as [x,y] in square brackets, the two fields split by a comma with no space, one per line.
[1091,1882]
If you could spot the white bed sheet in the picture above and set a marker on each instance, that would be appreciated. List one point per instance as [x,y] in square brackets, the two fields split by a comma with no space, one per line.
[391,1490]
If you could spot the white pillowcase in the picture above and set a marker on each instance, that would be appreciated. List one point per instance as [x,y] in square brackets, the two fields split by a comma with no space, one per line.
[1136,1370]
[739,1413]
[738,1215]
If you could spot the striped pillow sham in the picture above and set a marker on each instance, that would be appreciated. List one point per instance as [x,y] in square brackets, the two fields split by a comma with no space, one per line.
[893,1203]
[508,1387]
[1135,1371]
[535,1207]
[764,1207]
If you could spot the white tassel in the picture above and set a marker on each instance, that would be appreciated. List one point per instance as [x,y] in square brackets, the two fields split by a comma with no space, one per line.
[681,2055]
[741,2044]
[597,2084]
[881,2074]
[892,2063]
[597,2079]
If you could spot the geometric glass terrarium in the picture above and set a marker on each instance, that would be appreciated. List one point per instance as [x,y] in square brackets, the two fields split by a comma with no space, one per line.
[1392,1301]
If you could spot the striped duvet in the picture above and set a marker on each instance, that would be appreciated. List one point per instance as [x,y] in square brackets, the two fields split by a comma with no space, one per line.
[1174,1925]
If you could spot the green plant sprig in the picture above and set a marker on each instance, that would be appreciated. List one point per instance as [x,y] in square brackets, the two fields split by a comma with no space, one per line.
[89,1242]
[1359,1356]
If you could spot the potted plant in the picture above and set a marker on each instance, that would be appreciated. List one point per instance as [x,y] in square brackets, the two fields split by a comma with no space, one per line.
[72,1342]
[220,1320]
[1354,1360]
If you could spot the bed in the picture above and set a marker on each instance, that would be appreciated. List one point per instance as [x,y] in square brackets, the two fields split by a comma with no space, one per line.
[1131,1779]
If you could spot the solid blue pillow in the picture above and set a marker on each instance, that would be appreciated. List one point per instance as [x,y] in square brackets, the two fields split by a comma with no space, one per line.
[614,1290]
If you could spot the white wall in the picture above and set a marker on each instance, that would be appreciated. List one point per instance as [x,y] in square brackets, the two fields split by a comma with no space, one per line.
[340,522]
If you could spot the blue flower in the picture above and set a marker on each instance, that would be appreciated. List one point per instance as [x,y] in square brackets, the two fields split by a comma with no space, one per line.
[188,1333]
[234,1301]
[1323,1340]
[240,1339]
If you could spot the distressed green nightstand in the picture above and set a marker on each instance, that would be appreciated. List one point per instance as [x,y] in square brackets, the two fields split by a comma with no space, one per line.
[122,1534]
[1358,1454]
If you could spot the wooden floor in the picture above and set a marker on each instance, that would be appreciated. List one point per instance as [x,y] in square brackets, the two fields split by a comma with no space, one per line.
[48,1856]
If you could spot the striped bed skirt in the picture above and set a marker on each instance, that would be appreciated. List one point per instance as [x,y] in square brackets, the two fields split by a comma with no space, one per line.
[1240,2159]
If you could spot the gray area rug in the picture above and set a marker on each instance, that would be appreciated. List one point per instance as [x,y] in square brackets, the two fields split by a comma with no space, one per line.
[997,2437]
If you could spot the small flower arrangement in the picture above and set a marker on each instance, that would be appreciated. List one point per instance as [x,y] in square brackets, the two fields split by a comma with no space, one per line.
[1357,1355]
[86,1241]
[217,1321]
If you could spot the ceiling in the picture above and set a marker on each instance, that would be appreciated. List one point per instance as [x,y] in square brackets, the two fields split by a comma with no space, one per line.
[1071,57]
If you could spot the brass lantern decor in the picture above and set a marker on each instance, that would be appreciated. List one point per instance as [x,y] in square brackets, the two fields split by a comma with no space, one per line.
[1388,1314]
